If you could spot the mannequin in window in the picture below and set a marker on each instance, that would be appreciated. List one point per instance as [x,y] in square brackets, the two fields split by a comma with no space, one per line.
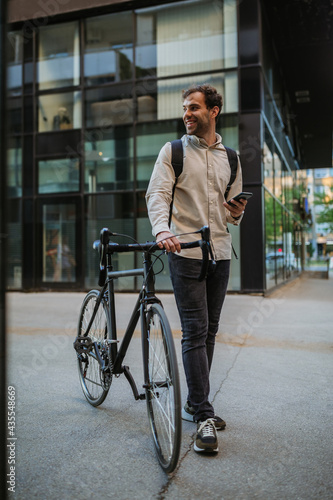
[62,121]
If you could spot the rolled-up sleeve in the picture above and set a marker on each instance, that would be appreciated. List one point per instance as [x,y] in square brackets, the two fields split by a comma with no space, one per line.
[159,192]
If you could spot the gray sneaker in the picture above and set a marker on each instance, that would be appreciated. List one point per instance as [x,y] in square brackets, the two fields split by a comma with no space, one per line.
[188,414]
[206,439]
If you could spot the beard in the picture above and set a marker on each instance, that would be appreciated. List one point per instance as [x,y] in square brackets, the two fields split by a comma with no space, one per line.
[199,127]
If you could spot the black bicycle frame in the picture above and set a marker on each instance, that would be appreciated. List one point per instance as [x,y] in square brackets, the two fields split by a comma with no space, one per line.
[146,294]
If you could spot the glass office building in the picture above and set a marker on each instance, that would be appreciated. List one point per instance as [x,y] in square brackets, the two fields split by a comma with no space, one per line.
[94,95]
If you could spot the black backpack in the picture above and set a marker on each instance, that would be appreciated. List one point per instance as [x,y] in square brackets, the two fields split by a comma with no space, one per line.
[177,164]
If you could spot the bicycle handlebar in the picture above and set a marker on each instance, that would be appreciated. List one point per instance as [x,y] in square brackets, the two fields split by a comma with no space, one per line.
[106,247]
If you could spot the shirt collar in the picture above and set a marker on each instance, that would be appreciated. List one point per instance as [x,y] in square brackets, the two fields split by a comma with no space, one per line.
[198,141]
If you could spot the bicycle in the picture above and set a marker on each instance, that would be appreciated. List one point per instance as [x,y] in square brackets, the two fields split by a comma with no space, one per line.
[97,350]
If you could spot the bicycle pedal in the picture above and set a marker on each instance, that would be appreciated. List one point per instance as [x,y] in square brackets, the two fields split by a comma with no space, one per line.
[83,344]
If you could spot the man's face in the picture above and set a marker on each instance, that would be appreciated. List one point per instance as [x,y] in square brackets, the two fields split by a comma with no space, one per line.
[198,120]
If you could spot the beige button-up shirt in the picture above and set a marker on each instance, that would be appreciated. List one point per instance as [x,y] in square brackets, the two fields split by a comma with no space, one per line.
[199,195]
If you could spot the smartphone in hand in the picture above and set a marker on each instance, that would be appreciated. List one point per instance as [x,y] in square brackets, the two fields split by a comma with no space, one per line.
[241,196]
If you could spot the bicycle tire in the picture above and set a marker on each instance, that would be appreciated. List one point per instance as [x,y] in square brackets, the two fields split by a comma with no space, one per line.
[162,387]
[95,384]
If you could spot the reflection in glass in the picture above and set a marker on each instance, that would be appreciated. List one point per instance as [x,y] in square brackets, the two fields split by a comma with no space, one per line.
[279,248]
[59,243]
[227,127]
[58,56]
[116,212]
[278,163]
[14,167]
[149,140]
[59,111]
[287,184]
[186,38]
[108,49]
[115,105]
[270,252]
[268,161]
[109,106]
[14,63]
[58,176]
[109,160]
[169,103]
[14,244]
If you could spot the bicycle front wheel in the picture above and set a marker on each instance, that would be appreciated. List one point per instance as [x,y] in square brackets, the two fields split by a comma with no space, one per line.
[162,387]
[95,383]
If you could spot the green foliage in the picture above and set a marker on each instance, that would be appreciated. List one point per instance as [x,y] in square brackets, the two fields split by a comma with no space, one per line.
[326,202]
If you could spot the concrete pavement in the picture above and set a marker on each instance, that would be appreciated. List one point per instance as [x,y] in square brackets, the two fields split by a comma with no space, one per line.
[271,381]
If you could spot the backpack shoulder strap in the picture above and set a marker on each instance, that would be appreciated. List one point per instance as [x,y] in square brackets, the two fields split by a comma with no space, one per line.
[177,164]
[233,162]
[177,157]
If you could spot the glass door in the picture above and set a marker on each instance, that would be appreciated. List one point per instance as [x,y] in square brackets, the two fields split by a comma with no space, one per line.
[58,243]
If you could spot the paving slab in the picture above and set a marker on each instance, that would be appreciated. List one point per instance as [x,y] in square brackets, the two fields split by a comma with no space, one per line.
[271,381]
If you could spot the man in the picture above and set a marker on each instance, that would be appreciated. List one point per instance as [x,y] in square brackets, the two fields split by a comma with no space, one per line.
[198,200]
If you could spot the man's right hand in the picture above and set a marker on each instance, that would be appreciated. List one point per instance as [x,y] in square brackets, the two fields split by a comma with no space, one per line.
[167,240]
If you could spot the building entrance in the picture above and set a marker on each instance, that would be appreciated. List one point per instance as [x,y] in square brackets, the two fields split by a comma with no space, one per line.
[59,243]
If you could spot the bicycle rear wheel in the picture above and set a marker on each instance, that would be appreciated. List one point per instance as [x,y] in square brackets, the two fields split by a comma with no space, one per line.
[94,382]
[162,387]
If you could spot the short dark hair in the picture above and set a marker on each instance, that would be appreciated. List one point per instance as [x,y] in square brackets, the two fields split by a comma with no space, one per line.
[212,97]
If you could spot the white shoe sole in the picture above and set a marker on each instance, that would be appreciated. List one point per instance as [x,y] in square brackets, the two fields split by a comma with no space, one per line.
[205,450]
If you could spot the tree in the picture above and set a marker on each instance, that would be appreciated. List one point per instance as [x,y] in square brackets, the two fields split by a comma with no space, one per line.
[325,201]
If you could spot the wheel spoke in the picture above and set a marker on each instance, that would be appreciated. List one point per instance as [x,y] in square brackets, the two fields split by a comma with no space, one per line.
[93,381]
[163,393]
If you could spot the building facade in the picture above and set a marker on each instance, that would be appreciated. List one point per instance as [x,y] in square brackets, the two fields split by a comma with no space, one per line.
[94,93]
[319,241]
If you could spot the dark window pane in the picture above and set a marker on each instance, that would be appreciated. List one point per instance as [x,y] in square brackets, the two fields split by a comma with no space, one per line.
[149,140]
[15,115]
[28,114]
[58,56]
[14,68]
[58,176]
[14,166]
[106,107]
[14,228]
[116,212]
[109,160]
[108,49]
[62,143]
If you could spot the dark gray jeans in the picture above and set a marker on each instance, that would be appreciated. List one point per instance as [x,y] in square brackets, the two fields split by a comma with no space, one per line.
[199,306]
